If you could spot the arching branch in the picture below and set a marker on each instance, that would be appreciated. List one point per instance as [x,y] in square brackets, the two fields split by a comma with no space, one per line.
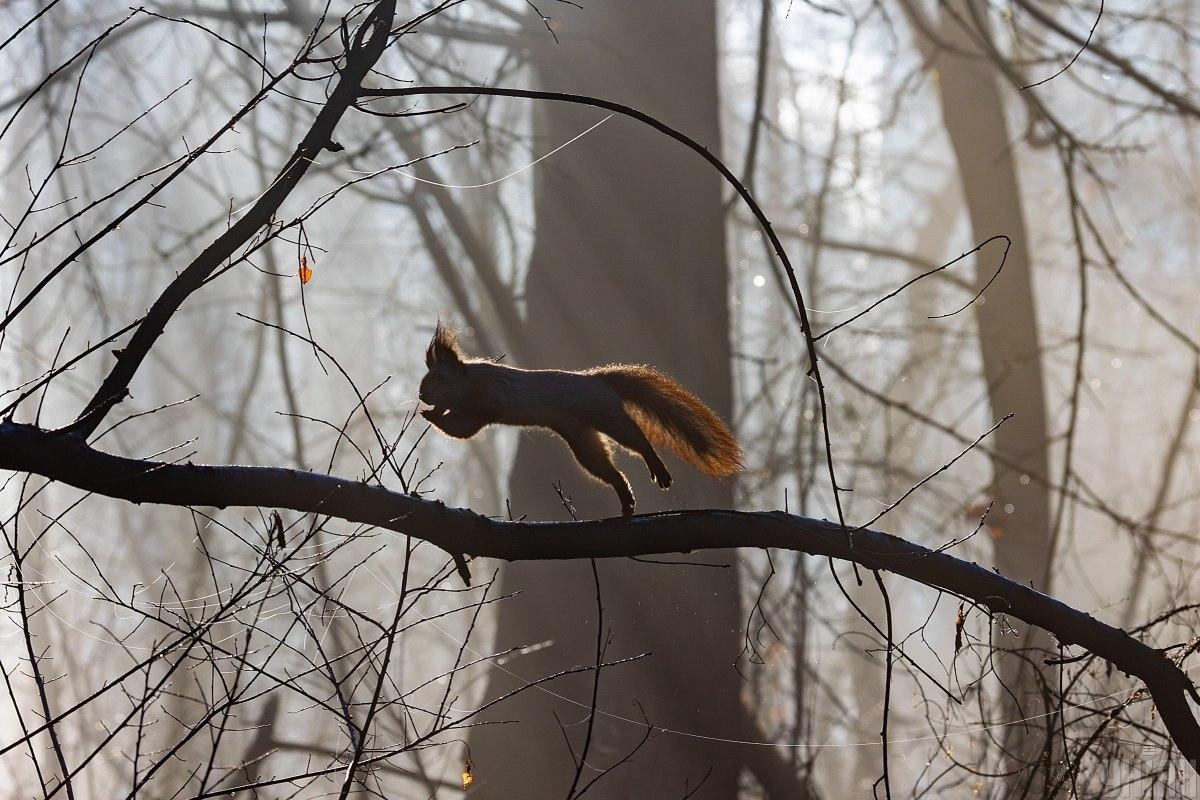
[738,186]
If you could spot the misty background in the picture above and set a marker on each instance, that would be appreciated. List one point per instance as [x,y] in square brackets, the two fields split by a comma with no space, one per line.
[882,140]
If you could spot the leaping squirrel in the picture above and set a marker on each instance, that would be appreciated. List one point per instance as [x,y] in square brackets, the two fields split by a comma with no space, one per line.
[635,406]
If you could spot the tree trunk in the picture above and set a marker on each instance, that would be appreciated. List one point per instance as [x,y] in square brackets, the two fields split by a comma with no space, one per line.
[629,265]
[973,113]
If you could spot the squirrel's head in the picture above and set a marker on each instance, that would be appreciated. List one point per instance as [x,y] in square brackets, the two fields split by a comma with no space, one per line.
[444,385]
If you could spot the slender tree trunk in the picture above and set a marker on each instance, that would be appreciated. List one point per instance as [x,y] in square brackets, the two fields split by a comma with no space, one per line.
[867,674]
[629,265]
[973,113]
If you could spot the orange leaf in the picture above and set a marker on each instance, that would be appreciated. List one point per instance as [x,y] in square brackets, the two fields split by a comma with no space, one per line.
[975,510]
[305,272]
[468,775]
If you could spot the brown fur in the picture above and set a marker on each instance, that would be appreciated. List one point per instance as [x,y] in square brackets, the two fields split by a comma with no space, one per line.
[632,405]
[671,416]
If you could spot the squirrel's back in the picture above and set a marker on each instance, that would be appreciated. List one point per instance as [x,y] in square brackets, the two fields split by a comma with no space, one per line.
[670,415]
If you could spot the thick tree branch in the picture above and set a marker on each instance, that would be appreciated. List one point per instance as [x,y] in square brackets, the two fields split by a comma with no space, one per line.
[68,458]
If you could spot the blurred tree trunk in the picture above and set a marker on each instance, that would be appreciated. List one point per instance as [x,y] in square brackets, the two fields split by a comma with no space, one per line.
[973,114]
[867,675]
[629,265]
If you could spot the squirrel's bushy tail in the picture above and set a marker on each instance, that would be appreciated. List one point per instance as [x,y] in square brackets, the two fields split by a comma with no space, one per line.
[672,416]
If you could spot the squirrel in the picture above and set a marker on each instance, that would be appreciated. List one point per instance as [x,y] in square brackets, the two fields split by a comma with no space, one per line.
[633,405]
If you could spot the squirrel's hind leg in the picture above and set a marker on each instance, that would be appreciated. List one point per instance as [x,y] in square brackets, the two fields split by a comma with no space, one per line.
[593,454]
[627,434]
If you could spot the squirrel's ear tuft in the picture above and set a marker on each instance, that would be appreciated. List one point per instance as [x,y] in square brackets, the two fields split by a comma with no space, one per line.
[444,347]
